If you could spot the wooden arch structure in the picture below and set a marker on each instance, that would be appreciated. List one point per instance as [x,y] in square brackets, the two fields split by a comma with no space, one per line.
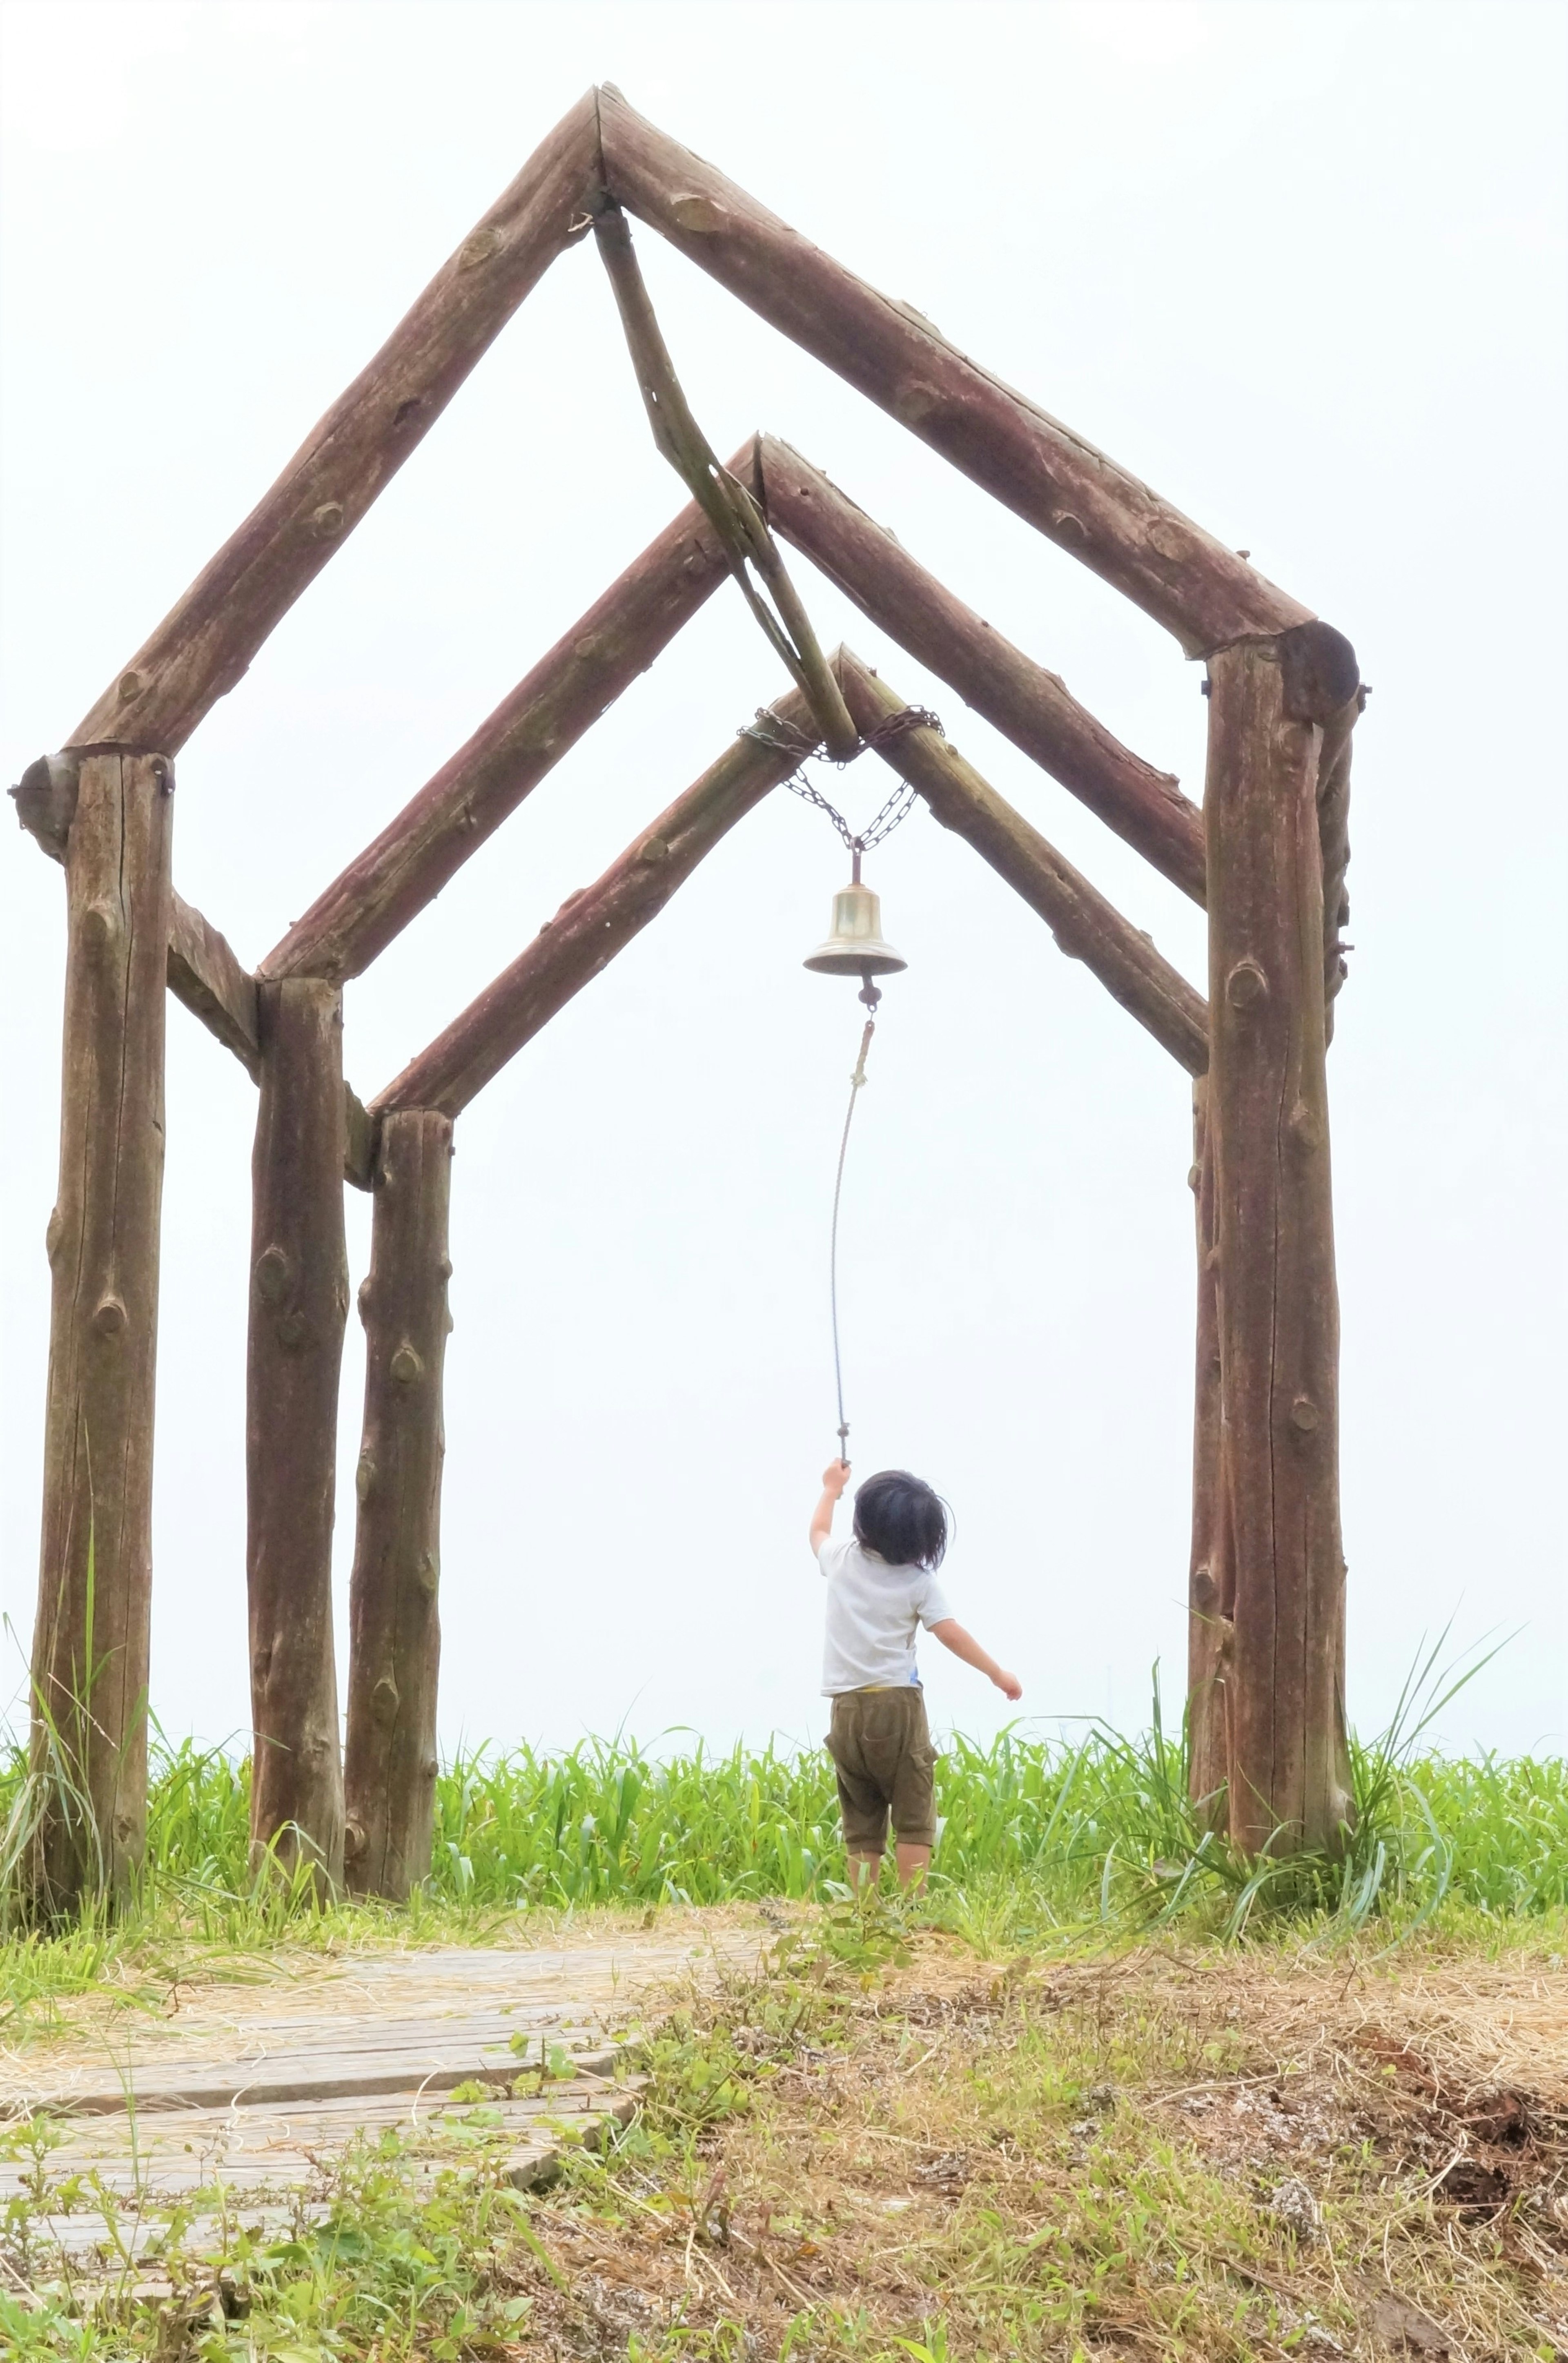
[1266,856]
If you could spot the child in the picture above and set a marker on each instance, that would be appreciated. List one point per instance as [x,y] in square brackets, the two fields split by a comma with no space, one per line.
[879,1587]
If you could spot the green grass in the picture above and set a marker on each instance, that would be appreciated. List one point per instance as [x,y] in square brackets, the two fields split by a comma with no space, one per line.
[1039,1838]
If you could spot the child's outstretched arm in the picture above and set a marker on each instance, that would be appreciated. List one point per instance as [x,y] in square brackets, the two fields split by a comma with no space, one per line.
[951,1635]
[835,1477]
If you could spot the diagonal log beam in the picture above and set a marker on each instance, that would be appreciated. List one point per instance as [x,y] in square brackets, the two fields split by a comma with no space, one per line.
[1086,925]
[209,637]
[406,866]
[592,925]
[1093,509]
[1024,702]
[205,974]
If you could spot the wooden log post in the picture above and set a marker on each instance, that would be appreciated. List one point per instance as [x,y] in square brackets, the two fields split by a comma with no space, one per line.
[299,1301]
[1270,702]
[90,1649]
[1211,1572]
[394,1625]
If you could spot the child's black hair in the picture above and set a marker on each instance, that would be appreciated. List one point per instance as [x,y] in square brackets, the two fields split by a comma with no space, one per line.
[899,1518]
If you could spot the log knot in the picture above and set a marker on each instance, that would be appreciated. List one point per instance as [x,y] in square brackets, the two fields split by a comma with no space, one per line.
[1304,1415]
[406,1364]
[273,1275]
[689,210]
[364,1477]
[110,1317]
[1246,985]
[384,1699]
[326,521]
[292,1329]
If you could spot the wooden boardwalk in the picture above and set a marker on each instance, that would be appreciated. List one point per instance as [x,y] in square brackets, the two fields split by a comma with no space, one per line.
[240,2112]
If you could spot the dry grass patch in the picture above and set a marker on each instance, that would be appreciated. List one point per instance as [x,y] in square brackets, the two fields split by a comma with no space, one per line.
[1157,2153]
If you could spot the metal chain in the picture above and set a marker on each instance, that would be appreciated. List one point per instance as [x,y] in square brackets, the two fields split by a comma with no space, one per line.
[772,731]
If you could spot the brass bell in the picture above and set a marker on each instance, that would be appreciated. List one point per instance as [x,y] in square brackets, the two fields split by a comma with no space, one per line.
[855,945]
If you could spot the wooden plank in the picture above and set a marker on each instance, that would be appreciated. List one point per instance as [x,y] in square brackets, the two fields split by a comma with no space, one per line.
[1186,579]
[592,926]
[91,1639]
[1085,925]
[1024,702]
[395,1625]
[299,1299]
[206,976]
[207,639]
[1271,702]
[407,865]
[295,2080]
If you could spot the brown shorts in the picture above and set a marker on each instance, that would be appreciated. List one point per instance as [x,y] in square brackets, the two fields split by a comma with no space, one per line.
[880,1746]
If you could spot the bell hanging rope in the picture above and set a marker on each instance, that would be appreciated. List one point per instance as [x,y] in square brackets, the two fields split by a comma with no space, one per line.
[856,946]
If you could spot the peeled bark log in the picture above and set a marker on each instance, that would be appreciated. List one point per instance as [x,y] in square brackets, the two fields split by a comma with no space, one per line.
[406,866]
[1269,703]
[206,977]
[1085,925]
[394,1647]
[90,1648]
[1200,590]
[1026,703]
[299,1299]
[592,925]
[206,642]
[1210,1583]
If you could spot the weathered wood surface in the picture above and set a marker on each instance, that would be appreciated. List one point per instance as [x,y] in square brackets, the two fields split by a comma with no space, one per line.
[204,974]
[1085,925]
[1333,839]
[1200,590]
[246,2083]
[1210,1580]
[592,925]
[395,1625]
[299,1301]
[1024,702]
[407,865]
[359,1135]
[207,639]
[730,507]
[264,2146]
[1270,703]
[89,1647]
[338,2060]
[45,798]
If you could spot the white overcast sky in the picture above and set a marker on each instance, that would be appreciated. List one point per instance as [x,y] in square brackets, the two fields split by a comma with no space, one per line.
[1301,267]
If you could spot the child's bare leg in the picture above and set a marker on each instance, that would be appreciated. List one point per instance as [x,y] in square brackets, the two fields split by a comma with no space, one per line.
[914,1861]
[865,1870]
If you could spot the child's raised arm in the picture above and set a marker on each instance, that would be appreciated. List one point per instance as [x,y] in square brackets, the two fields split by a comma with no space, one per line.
[835,1477]
[951,1635]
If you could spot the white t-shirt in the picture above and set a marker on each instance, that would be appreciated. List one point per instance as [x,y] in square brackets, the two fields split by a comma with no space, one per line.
[873,1610]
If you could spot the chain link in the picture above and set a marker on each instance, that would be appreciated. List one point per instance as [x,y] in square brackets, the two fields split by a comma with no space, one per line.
[785,739]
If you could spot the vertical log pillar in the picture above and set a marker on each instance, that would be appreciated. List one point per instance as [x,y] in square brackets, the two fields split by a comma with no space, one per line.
[90,1648]
[299,1301]
[1210,1583]
[1278,1312]
[395,1625]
